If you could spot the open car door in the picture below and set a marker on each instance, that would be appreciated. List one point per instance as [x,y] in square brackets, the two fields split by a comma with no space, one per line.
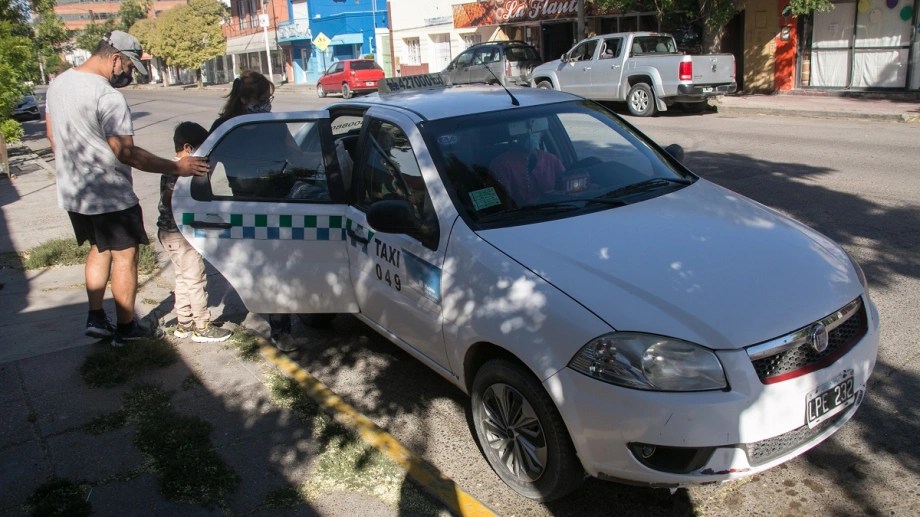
[270,214]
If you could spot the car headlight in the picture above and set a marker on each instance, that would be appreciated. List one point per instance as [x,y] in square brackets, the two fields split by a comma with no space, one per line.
[650,362]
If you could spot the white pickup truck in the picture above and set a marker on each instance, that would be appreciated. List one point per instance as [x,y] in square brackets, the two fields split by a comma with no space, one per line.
[645,69]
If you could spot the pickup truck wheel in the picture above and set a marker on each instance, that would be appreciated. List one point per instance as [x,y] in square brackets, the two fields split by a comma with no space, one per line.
[320,91]
[546,85]
[641,100]
[346,91]
[522,434]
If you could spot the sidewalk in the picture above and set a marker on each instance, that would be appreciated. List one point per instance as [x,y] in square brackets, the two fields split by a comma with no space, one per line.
[47,403]
[268,452]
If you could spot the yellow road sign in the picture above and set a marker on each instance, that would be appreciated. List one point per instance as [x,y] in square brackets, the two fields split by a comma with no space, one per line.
[321,41]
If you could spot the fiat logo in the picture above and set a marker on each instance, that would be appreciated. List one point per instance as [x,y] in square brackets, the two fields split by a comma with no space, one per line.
[818,337]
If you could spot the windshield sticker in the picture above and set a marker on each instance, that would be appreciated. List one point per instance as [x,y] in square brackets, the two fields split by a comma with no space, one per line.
[485,198]
[423,277]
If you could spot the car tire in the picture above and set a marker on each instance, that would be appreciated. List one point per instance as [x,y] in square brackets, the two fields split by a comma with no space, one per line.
[346,91]
[320,91]
[641,100]
[503,392]
[546,85]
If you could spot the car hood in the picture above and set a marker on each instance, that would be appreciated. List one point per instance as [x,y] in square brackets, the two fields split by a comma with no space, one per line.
[702,264]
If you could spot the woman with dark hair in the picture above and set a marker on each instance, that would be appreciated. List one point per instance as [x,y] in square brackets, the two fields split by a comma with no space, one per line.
[252,92]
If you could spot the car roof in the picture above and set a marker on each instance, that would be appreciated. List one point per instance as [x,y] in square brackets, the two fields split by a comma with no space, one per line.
[467,99]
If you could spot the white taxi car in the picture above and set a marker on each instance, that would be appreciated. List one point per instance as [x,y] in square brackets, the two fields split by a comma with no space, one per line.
[609,312]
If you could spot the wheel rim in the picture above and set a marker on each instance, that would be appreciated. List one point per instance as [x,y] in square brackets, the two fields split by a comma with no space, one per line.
[319,91]
[513,432]
[640,100]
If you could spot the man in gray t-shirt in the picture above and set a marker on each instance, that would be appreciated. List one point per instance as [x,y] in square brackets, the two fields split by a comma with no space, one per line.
[89,125]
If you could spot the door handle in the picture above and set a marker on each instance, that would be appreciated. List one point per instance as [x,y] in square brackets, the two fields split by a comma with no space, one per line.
[360,238]
[587,69]
[614,66]
[204,225]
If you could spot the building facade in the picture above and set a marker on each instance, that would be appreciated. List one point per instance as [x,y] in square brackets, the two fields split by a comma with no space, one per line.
[77,14]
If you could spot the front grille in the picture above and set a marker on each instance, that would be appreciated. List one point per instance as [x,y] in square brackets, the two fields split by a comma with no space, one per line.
[804,359]
[767,450]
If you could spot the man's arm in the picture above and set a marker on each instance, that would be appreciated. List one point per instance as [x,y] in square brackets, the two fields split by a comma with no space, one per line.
[48,132]
[141,159]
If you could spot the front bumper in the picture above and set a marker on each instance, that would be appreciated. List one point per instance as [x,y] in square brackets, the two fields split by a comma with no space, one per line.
[747,429]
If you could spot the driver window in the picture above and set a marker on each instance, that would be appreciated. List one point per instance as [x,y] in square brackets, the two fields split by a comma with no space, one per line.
[270,161]
[391,171]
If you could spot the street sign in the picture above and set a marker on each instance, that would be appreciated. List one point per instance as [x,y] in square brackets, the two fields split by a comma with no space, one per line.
[321,41]
[263,20]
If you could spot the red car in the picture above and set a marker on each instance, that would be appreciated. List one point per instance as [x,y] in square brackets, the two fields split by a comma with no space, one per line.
[350,76]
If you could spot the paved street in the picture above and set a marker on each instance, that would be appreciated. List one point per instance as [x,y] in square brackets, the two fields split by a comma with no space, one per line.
[854,180]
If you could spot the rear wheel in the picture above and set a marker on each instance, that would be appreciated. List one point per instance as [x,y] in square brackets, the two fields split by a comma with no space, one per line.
[320,91]
[641,100]
[546,85]
[346,91]
[522,434]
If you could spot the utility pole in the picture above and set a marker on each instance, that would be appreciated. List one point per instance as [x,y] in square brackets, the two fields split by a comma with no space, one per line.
[263,21]
[580,6]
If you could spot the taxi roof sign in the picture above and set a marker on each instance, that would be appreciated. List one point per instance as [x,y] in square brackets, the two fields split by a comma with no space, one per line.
[411,82]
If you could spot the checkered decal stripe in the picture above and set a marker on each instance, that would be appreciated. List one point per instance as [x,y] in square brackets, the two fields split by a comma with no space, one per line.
[272,227]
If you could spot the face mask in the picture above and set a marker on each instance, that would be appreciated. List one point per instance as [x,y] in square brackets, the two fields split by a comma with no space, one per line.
[120,80]
[259,107]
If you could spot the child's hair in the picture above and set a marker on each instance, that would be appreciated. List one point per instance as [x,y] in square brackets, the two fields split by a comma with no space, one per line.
[249,85]
[189,133]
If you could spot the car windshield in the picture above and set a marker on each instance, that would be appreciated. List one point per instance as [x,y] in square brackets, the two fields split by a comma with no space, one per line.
[521,53]
[364,65]
[529,164]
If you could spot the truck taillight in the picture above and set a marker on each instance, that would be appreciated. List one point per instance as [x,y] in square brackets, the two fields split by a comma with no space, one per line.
[685,71]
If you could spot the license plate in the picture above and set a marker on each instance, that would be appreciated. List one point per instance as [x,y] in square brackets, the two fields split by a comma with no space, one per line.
[707,89]
[369,83]
[830,398]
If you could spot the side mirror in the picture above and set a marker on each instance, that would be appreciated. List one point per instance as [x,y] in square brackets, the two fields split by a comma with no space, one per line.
[676,151]
[393,216]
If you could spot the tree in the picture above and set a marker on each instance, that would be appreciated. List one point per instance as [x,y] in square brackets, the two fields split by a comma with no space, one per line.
[51,36]
[132,11]
[16,54]
[88,38]
[189,35]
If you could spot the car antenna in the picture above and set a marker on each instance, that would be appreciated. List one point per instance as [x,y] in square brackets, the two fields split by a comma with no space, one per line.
[513,98]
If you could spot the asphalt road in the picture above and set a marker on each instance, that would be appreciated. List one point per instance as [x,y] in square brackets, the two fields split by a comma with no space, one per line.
[855,181]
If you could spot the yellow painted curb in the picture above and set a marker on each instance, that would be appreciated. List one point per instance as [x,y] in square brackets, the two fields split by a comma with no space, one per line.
[426,475]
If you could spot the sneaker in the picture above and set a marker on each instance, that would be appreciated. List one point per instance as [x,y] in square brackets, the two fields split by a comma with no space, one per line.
[99,327]
[184,330]
[211,334]
[284,342]
[138,332]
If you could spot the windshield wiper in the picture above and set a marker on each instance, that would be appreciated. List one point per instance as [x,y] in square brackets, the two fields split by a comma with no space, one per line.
[645,186]
[558,206]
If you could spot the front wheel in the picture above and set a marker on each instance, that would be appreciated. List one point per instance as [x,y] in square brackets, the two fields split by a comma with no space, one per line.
[546,85]
[522,434]
[320,91]
[346,91]
[641,100]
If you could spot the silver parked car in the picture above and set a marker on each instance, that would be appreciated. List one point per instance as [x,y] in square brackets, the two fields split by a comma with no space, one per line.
[27,109]
[505,62]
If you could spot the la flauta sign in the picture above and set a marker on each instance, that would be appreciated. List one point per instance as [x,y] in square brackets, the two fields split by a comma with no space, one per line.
[497,12]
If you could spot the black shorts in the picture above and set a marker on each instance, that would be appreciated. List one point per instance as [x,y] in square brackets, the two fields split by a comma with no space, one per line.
[111,231]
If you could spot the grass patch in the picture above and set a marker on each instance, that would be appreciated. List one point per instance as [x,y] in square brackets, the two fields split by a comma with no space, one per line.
[65,252]
[114,366]
[191,382]
[179,448]
[287,497]
[58,497]
[247,346]
[106,422]
[347,462]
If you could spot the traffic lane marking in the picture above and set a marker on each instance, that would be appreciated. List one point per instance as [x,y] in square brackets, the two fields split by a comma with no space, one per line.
[426,475]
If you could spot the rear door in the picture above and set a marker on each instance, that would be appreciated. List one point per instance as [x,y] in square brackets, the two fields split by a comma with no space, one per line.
[608,70]
[270,216]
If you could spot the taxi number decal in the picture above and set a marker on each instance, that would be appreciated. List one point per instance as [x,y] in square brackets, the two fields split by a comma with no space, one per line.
[390,256]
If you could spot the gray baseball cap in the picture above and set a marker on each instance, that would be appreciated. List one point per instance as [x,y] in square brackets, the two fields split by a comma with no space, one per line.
[127,45]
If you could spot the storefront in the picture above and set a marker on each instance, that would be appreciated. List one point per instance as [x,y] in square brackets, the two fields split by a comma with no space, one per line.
[861,44]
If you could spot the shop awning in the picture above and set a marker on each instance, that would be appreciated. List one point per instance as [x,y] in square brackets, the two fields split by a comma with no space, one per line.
[250,43]
[353,38]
